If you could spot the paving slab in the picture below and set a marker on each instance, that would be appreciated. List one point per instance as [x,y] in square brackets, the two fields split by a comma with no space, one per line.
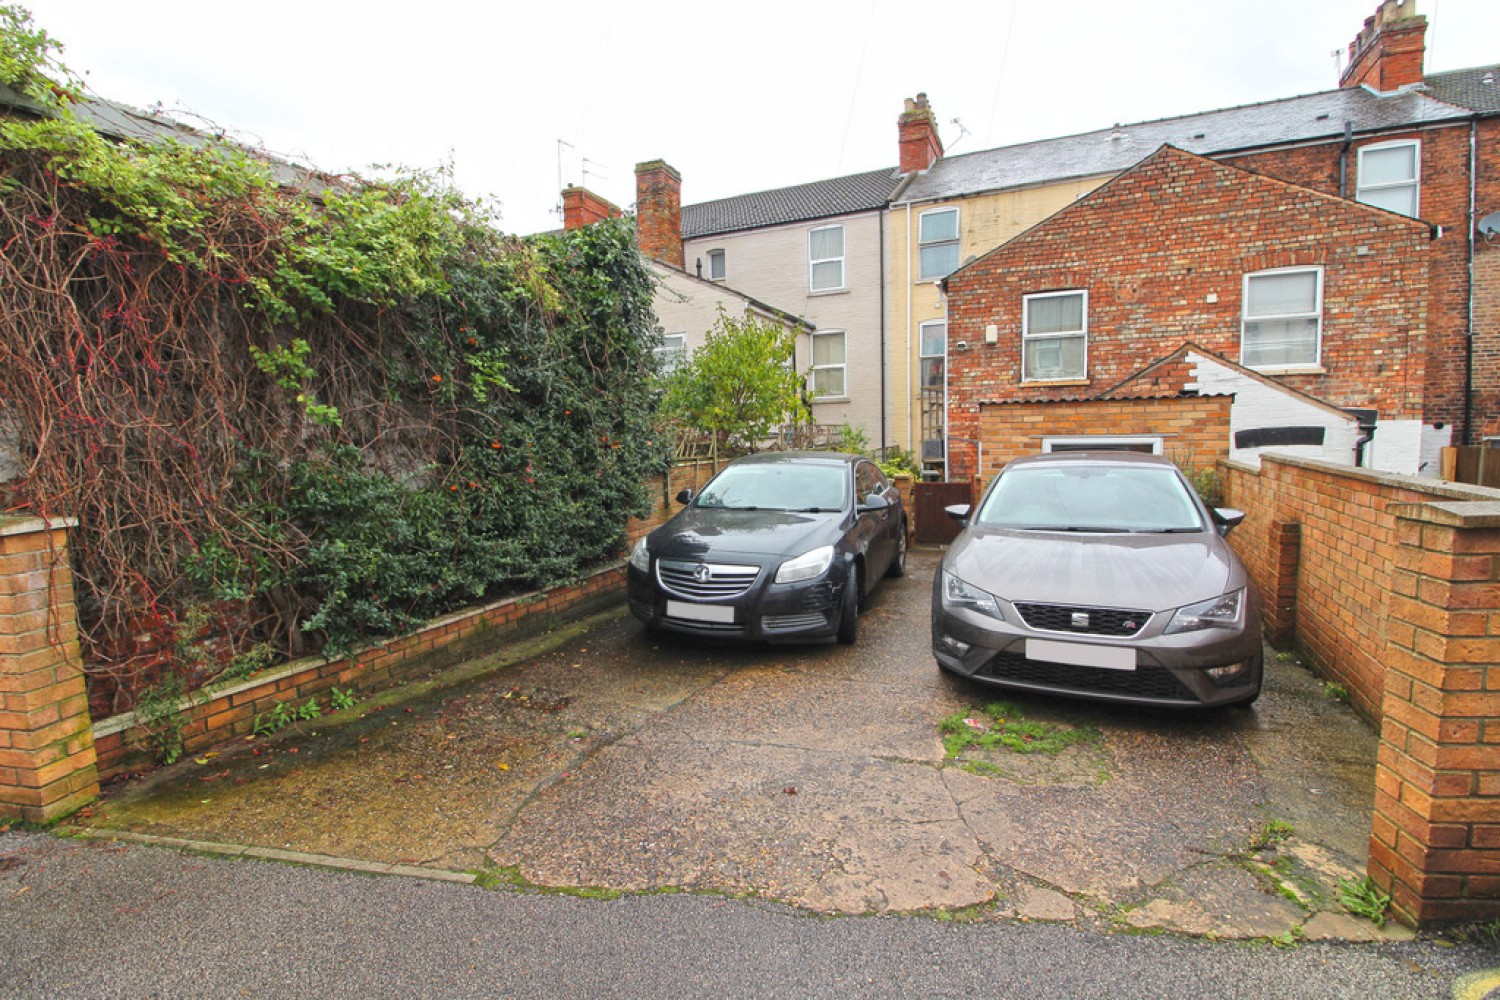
[811,775]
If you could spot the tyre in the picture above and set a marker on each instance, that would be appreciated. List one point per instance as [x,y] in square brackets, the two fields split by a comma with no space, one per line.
[898,563]
[849,613]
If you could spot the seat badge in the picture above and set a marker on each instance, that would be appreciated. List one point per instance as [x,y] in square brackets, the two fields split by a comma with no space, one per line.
[1080,619]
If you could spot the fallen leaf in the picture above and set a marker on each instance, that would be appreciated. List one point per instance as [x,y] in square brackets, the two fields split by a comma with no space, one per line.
[503,767]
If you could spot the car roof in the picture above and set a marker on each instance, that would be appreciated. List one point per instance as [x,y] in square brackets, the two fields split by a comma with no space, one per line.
[1092,458]
[798,458]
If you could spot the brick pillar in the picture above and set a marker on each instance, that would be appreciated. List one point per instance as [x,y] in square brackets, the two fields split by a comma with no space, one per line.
[1280,610]
[46,737]
[1435,841]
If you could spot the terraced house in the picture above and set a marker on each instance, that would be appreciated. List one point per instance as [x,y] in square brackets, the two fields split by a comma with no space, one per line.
[1389,396]
[864,259]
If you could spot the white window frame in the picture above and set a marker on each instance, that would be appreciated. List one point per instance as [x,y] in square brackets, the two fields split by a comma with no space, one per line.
[812,261]
[1027,336]
[1415,184]
[921,357]
[673,350]
[1317,314]
[842,367]
[718,255]
[1104,441]
[924,244]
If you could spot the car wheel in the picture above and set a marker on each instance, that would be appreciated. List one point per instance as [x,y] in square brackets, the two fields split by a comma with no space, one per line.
[898,562]
[849,615]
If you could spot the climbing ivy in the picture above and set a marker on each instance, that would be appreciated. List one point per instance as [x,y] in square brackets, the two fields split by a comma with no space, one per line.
[342,405]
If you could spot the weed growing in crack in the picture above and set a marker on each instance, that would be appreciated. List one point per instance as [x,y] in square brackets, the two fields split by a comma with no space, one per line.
[1002,725]
[1363,898]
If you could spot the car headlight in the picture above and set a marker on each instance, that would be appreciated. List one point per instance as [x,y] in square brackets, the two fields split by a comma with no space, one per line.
[1218,612]
[807,566]
[640,556]
[958,594]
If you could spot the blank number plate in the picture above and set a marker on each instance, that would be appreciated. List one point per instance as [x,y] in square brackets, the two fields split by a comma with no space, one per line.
[1081,655]
[721,613]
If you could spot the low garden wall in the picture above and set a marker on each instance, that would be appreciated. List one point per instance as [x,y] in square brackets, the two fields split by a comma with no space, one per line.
[52,756]
[1390,587]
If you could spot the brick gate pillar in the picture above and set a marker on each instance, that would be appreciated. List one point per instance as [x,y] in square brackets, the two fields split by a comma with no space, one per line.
[46,740]
[1435,840]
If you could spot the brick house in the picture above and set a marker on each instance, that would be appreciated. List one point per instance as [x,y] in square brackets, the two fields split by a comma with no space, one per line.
[1324,295]
[1427,146]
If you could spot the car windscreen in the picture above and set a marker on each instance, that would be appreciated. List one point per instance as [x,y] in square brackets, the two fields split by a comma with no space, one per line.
[1091,498]
[778,486]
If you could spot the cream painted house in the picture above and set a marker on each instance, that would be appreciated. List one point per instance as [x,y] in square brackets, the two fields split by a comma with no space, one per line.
[687,307]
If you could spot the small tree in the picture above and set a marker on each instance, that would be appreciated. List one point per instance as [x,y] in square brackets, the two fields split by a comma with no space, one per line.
[740,385]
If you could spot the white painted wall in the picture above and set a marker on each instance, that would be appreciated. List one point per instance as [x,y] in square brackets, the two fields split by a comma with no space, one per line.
[1259,404]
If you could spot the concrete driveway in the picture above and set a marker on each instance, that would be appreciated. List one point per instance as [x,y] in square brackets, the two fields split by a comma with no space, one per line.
[613,760]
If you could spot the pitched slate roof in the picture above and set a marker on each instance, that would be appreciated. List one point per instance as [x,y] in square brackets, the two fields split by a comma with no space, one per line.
[120,121]
[1294,119]
[817,200]
[1477,89]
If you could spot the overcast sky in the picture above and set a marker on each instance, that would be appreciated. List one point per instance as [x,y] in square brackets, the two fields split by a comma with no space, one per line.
[738,97]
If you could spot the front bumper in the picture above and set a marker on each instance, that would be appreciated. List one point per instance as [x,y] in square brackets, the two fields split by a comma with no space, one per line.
[1169,670]
[769,612]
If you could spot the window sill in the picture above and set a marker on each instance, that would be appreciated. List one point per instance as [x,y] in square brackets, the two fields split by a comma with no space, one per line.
[828,291]
[1052,382]
[829,399]
[1289,370]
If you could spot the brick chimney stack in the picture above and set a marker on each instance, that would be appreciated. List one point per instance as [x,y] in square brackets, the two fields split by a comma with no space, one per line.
[1387,54]
[582,207]
[918,135]
[658,211]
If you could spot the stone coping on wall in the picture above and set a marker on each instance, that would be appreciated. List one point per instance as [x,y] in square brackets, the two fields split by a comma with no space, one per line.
[270,679]
[12,525]
[1469,514]
[1392,480]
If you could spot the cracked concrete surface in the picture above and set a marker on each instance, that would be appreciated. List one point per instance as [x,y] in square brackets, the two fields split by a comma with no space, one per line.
[812,775]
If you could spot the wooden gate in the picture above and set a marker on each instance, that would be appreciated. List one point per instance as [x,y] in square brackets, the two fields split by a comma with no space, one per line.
[933,525]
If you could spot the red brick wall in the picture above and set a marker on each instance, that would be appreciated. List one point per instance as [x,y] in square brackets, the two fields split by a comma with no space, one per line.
[1163,249]
[1196,429]
[1444,202]
[582,207]
[1390,586]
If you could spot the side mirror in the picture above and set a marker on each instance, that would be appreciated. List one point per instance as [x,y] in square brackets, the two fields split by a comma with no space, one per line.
[874,502]
[685,497]
[959,512]
[1227,517]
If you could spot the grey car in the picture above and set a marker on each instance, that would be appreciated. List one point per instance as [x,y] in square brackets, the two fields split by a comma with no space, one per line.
[1099,575]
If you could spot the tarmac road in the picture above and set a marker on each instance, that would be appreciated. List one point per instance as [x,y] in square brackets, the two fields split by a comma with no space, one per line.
[95,919]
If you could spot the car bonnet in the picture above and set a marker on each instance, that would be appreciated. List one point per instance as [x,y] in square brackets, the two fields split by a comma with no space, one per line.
[1147,571]
[709,534]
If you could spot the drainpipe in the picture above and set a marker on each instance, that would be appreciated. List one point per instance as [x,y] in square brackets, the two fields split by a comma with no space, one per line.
[1469,333]
[884,375]
[916,446]
[1344,159]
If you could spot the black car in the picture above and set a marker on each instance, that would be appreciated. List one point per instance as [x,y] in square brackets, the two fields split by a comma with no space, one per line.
[777,546]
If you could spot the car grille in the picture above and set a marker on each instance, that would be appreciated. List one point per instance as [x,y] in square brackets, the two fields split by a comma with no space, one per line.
[1117,622]
[720,583]
[787,623]
[1143,682]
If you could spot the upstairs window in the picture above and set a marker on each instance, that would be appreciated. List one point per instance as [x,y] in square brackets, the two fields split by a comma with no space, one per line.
[937,236]
[1054,336]
[829,367]
[716,265]
[1388,176]
[825,259]
[1283,318]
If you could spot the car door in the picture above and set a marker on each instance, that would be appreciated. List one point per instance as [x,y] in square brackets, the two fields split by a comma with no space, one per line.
[878,525]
